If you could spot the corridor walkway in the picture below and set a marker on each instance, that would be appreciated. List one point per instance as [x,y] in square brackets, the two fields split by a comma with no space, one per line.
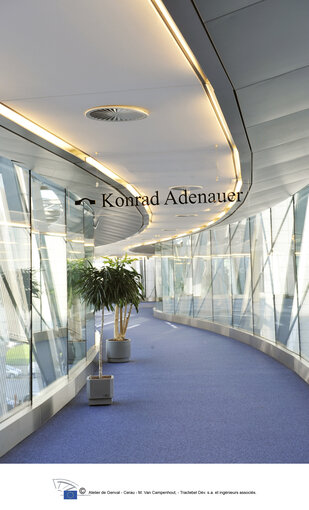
[188,396]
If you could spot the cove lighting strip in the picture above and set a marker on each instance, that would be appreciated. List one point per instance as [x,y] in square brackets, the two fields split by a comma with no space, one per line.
[22,121]
[176,34]
[34,128]
[187,52]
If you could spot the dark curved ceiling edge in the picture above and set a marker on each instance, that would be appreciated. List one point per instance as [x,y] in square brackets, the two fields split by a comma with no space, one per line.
[193,29]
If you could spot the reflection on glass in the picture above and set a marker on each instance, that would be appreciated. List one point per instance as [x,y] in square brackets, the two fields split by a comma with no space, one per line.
[284,275]
[89,254]
[262,280]
[183,276]
[241,275]
[149,280]
[49,310]
[202,276]
[158,273]
[48,207]
[252,274]
[76,309]
[167,277]
[15,271]
[221,272]
[49,291]
[302,261]
[33,282]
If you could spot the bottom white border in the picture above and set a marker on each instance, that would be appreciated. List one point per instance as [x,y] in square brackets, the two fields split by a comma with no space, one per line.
[151,486]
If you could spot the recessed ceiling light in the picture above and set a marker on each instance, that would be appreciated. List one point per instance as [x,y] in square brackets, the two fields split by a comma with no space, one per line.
[185,215]
[187,187]
[117,113]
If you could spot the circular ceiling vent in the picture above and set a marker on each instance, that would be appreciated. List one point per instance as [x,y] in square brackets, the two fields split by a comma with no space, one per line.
[117,113]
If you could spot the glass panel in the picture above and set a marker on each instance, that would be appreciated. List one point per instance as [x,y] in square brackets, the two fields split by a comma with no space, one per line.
[167,277]
[183,276]
[89,253]
[302,262]
[49,289]
[158,276]
[262,281]
[15,278]
[284,275]
[221,271]
[241,275]
[202,278]
[150,278]
[48,207]
[76,309]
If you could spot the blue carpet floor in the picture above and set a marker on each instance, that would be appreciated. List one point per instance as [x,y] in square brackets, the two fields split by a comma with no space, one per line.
[188,396]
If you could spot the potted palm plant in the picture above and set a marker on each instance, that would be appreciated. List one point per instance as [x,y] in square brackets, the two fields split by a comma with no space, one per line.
[127,292]
[95,286]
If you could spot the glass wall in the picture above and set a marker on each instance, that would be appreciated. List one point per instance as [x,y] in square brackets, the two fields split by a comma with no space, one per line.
[42,333]
[284,277]
[252,275]
[301,242]
[76,309]
[183,275]
[146,267]
[89,254]
[262,277]
[49,291]
[158,276]
[202,276]
[221,276]
[167,272]
[241,275]
[15,287]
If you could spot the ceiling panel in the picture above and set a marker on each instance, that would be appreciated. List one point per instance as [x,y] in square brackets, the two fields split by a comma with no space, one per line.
[287,171]
[277,97]
[265,40]
[281,153]
[180,118]
[279,131]
[210,9]
[71,47]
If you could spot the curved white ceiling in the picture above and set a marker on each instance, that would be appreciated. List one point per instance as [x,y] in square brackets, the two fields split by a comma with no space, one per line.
[66,57]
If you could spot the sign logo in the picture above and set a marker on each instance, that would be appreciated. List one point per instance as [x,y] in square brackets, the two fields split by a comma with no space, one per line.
[69,494]
[68,489]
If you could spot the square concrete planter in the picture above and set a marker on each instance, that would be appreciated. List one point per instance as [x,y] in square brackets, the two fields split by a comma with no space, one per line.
[100,390]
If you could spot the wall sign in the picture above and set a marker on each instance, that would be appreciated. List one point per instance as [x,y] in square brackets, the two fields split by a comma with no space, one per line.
[185,198]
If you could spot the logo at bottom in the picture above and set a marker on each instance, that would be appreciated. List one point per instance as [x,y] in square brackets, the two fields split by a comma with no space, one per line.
[69,494]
